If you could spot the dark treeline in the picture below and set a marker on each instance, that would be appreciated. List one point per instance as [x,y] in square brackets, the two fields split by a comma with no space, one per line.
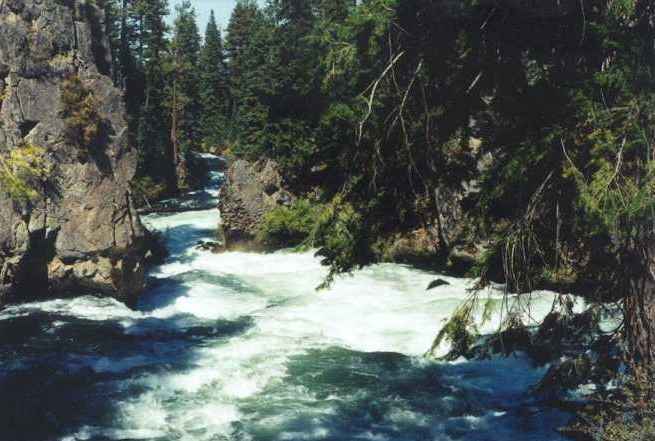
[533,122]
[175,84]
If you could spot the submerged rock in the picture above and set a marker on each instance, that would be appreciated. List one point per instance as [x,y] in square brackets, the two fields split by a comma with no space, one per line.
[214,247]
[85,236]
[436,283]
[251,190]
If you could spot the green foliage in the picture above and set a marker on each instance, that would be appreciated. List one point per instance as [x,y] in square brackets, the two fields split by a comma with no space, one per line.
[184,97]
[341,239]
[146,190]
[462,329]
[214,93]
[84,125]
[619,194]
[153,132]
[293,144]
[23,172]
[251,65]
[4,91]
[459,330]
[289,226]
[239,32]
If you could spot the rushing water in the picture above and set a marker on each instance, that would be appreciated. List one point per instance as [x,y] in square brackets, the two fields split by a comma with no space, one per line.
[240,346]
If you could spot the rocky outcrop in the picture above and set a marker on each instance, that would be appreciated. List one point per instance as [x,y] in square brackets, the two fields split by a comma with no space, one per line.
[250,191]
[413,247]
[440,241]
[82,234]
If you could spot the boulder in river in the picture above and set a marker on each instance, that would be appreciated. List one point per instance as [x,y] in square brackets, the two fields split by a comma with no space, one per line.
[436,283]
[251,190]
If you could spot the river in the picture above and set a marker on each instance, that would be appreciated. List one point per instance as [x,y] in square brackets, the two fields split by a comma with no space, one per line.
[240,346]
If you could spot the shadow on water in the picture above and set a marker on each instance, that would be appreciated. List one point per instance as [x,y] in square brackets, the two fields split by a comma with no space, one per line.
[60,372]
[336,394]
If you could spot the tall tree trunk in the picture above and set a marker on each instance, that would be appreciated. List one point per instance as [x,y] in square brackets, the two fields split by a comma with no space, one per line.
[639,307]
[173,181]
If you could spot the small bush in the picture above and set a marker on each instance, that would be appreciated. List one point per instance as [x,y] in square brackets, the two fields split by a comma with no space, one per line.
[289,226]
[23,171]
[83,123]
[4,92]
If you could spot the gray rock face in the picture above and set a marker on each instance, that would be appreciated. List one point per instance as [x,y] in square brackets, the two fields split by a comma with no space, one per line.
[250,191]
[84,235]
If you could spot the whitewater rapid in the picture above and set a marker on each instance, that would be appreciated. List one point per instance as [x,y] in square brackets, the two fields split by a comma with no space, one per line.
[240,346]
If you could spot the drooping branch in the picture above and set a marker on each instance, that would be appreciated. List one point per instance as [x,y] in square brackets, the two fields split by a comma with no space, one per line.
[371,98]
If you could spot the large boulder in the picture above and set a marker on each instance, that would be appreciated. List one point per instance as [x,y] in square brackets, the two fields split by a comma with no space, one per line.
[85,235]
[250,191]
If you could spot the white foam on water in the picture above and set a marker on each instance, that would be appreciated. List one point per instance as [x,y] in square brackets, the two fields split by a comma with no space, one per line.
[90,432]
[206,301]
[384,308]
[228,378]
[86,307]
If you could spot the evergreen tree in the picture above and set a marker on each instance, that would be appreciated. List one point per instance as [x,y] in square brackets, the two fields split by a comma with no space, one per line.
[214,92]
[184,86]
[129,72]
[156,157]
[255,87]
[282,84]
[298,90]
[239,33]
[335,11]
[112,11]
[122,27]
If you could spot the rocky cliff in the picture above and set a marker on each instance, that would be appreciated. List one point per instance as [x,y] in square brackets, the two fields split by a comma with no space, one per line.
[249,192]
[82,234]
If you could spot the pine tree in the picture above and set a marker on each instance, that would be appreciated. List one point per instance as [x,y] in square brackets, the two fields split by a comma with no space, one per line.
[335,11]
[239,33]
[129,73]
[214,94]
[122,23]
[156,158]
[257,85]
[112,11]
[184,88]
[295,100]
[299,86]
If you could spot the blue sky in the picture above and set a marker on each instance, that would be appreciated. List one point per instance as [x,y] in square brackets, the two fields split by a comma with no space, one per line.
[222,9]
